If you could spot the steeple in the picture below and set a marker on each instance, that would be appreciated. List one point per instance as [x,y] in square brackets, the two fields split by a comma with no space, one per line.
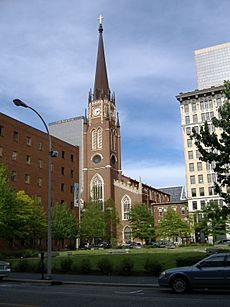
[101,84]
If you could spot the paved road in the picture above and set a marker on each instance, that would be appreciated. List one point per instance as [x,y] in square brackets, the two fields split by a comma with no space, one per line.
[44,295]
[89,279]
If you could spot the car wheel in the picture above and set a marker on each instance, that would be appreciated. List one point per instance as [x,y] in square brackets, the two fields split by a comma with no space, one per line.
[179,284]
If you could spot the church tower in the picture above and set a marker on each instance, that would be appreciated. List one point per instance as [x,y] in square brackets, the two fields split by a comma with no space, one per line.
[102,157]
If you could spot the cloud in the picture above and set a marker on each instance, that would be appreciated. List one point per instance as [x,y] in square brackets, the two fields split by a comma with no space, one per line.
[155,173]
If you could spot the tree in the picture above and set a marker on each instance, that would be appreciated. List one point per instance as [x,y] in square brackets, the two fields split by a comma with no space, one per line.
[8,206]
[64,224]
[216,148]
[31,220]
[111,221]
[214,219]
[142,222]
[172,226]
[21,217]
[92,225]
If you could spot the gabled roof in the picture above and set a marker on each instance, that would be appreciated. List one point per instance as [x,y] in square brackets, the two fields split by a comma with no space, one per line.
[177,194]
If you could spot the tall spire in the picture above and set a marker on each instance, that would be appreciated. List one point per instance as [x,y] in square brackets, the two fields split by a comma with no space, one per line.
[101,84]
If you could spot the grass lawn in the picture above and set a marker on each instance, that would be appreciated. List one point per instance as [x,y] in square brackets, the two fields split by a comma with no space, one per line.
[114,261]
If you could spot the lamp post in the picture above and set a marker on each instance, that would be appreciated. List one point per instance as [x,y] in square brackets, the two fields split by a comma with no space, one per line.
[20,103]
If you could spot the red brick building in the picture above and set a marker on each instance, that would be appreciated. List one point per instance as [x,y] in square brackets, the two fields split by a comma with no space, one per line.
[24,150]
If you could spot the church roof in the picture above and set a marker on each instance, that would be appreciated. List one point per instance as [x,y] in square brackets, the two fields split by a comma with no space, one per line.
[177,194]
[101,84]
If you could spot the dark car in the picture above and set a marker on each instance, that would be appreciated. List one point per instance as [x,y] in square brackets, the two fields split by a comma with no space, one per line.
[211,272]
[4,269]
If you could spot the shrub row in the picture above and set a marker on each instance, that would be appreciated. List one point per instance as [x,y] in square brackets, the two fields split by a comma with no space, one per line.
[104,265]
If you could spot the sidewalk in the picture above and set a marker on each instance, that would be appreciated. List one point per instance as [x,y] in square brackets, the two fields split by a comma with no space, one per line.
[136,281]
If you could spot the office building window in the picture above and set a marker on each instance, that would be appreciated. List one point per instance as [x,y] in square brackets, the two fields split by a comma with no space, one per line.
[187,120]
[71,173]
[214,177]
[13,176]
[63,154]
[190,155]
[199,166]
[208,166]
[202,204]
[200,179]
[201,190]
[28,141]
[186,108]
[40,163]
[192,180]
[196,128]
[209,177]
[193,107]
[194,205]
[2,130]
[193,191]
[27,178]
[15,136]
[14,155]
[198,155]
[72,157]
[189,143]
[202,105]
[28,159]
[191,167]
[40,145]
[62,170]
[62,187]
[39,182]
[188,130]
[195,119]
[210,191]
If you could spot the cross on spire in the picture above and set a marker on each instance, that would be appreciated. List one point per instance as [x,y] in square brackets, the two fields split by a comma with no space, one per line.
[100,18]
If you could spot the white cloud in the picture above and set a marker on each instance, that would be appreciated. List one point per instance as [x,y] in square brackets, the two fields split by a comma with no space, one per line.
[155,173]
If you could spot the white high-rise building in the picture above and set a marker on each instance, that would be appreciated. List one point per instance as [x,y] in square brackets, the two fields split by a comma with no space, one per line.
[212,65]
[196,107]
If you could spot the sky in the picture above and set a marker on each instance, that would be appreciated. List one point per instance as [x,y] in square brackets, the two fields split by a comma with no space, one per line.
[48,60]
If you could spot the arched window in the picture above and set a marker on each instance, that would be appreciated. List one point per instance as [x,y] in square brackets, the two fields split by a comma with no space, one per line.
[99,138]
[94,139]
[113,134]
[97,189]
[114,139]
[126,207]
[127,234]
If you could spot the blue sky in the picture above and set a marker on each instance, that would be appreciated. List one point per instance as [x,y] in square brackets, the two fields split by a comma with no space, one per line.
[48,57]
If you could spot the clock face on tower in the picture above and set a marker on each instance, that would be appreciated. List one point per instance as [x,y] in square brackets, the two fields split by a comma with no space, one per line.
[96,111]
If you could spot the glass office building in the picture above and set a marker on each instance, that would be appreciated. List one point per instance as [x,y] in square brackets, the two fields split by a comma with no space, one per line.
[212,65]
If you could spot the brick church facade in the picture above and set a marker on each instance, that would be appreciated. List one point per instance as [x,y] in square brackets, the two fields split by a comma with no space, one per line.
[103,178]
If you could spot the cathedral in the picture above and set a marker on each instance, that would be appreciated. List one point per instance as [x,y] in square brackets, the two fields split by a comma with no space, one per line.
[102,173]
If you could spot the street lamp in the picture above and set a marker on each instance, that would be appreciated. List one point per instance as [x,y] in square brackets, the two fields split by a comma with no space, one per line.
[20,103]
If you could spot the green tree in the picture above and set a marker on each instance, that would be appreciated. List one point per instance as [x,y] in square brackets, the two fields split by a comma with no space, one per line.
[172,226]
[30,218]
[64,224]
[216,148]
[214,219]
[8,207]
[111,221]
[93,224]
[142,222]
